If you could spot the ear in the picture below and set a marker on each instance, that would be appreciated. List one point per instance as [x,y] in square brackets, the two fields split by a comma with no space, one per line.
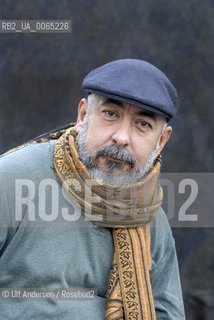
[82,109]
[164,138]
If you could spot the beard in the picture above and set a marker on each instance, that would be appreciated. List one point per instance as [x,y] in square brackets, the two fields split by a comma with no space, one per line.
[121,155]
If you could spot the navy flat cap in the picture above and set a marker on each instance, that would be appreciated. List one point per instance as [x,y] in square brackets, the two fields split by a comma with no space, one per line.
[136,82]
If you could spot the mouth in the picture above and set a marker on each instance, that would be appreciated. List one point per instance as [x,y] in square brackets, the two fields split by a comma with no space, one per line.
[116,160]
[113,165]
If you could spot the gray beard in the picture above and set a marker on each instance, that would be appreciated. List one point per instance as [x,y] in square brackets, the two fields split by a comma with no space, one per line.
[109,176]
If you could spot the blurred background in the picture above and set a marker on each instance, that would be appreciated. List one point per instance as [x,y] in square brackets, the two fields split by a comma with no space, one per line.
[40,87]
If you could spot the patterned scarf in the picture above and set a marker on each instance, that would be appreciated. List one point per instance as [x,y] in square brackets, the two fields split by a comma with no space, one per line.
[127,210]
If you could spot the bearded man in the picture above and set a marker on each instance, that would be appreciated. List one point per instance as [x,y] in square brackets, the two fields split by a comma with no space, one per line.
[115,236]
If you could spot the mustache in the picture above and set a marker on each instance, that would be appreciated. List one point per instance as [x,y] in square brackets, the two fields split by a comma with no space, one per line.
[115,152]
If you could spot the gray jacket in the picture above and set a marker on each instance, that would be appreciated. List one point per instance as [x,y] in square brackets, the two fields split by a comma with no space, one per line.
[46,243]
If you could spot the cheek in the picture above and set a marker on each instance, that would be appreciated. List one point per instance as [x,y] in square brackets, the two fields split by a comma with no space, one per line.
[143,152]
[96,138]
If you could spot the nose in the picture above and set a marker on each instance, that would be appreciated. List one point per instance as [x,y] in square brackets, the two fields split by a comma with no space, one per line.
[122,135]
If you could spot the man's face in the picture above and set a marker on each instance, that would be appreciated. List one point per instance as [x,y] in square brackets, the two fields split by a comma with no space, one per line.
[118,136]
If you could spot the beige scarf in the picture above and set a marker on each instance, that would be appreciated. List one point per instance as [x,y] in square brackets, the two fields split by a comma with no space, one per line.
[127,210]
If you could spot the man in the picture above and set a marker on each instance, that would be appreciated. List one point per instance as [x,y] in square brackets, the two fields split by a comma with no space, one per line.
[107,231]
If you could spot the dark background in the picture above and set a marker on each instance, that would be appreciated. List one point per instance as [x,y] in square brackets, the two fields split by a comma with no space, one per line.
[40,87]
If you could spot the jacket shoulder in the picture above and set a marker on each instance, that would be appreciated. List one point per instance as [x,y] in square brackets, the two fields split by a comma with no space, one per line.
[28,157]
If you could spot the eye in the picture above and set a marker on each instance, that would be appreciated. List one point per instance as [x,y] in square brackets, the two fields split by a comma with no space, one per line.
[110,113]
[143,124]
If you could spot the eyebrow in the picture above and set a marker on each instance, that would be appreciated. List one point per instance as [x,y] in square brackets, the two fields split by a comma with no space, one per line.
[120,104]
[113,101]
[147,114]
